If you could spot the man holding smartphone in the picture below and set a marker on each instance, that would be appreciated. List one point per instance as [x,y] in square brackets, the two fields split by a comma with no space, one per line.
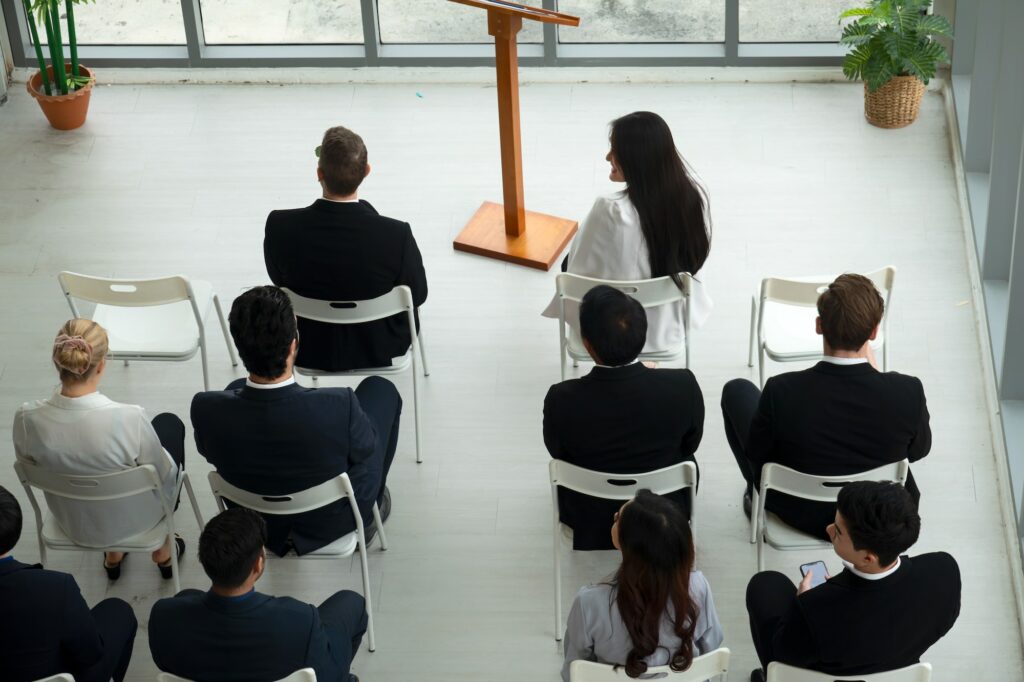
[882,612]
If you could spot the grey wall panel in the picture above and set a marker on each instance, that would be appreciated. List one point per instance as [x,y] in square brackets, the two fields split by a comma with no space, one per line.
[1011,382]
[983,86]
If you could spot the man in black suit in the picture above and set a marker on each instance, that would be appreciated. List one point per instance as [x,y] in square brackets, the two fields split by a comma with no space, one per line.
[622,417]
[233,632]
[882,612]
[840,417]
[340,248]
[268,435]
[46,627]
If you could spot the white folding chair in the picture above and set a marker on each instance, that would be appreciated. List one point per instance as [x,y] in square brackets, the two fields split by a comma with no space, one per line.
[303,675]
[651,293]
[328,492]
[100,488]
[712,665]
[150,319]
[782,318]
[60,677]
[780,672]
[682,476]
[398,301]
[766,527]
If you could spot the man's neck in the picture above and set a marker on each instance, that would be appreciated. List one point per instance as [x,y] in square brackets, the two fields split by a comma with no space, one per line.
[267,381]
[873,568]
[244,588]
[862,352]
[337,197]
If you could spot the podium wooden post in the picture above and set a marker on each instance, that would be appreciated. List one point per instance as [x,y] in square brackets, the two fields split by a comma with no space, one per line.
[510,232]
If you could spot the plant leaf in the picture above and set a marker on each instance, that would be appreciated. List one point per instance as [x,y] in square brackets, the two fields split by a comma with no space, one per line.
[853,64]
[878,71]
[933,24]
[856,12]
[857,34]
[891,42]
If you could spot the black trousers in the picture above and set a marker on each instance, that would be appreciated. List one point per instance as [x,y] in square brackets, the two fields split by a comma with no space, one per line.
[769,596]
[383,405]
[117,625]
[171,432]
[739,404]
[344,616]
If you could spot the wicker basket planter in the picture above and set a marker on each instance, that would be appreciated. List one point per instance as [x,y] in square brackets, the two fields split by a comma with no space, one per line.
[895,104]
[64,112]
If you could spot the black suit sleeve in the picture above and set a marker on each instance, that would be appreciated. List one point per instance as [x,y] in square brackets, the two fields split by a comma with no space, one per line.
[320,655]
[80,641]
[551,440]
[761,441]
[793,642]
[198,431]
[693,437]
[272,252]
[922,441]
[362,436]
[413,274]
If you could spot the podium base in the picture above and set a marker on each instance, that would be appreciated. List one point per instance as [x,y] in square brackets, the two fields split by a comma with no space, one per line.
[544,238]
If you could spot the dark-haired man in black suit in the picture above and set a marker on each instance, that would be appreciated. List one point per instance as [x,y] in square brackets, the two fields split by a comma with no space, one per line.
[268,435]
[233,632]
[46,627]
[840,417]
[340,248]
[882,612]
[622,417]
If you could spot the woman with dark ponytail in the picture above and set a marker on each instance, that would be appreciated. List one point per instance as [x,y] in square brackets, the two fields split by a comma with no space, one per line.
[659,225]
[656,610]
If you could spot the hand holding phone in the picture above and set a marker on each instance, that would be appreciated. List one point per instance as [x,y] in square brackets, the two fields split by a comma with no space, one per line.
[814,574]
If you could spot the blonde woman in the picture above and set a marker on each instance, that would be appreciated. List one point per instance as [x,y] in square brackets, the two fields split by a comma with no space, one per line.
[78,430]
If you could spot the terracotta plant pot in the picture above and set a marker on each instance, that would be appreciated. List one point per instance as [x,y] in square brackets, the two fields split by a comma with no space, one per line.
[64,112]
[895,104]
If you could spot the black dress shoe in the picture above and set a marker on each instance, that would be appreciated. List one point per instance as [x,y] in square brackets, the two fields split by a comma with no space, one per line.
[166,571]
[385,506]
[747,504]
[113,572]
[756,675]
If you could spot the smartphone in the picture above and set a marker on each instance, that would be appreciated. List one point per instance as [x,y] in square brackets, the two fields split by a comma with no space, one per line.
[819,570]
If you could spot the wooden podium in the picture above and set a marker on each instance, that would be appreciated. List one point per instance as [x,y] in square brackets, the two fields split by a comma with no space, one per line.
[510,232]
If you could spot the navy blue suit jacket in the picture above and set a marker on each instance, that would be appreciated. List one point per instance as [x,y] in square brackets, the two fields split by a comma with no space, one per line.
[45,624]
[256,638]
[284,440]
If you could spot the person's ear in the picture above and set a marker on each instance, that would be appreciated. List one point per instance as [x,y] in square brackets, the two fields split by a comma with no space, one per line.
[590,352]
[101,366]
[368,167]
[260,565]
[319,174]
[874,333]
[817,326]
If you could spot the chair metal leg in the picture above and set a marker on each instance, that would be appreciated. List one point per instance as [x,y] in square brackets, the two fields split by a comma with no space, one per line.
[366,590]
[760,367]
[187,483]
[416,408]
[174,565]
[563,361]
[423,353]
[753,517]
[125,363]
[224,329]
[206,371]
[753,325]
[575,363]
[380,528]
[558,581]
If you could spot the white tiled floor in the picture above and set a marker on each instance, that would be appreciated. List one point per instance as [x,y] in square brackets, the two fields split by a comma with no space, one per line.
[168,179]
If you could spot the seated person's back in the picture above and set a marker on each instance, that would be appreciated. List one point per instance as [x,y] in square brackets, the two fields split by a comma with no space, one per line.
[608,622]
[46,627]
[882,612]
[234,633]
[268,435]
[340,248]
[622,417]
[840,417]
[655,227]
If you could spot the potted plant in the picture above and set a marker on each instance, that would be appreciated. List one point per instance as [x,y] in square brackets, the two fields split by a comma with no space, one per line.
[63,88]
[895,53]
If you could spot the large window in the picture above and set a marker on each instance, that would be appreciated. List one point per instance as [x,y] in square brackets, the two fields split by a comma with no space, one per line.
[127,22]
[645,21]
[418,21]
[295,22]
[802,21]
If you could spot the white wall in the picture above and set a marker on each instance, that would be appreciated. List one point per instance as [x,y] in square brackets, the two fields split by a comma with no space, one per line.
[6,61]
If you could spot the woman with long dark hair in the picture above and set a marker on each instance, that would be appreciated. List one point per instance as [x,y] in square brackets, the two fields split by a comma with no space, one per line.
[656,610]
[659,225]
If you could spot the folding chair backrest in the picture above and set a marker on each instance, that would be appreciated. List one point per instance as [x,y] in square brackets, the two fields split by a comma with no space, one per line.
[708,666]
[125,292]
[318,496]
[303,675]
[649,292]
[919,672]
[396,301]
[825,488]
[98,487]
[805,291]
[622,486]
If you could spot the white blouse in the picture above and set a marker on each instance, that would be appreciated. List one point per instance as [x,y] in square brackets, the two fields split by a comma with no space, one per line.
[610,245]
[595,630]
[94,435]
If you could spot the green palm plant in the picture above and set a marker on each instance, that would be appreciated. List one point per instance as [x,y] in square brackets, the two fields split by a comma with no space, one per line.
[48,13]
[893,38]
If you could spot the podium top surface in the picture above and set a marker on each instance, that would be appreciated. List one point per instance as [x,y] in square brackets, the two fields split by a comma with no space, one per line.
[544,16]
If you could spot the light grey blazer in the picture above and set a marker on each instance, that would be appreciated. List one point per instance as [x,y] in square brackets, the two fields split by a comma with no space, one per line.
[595,631]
